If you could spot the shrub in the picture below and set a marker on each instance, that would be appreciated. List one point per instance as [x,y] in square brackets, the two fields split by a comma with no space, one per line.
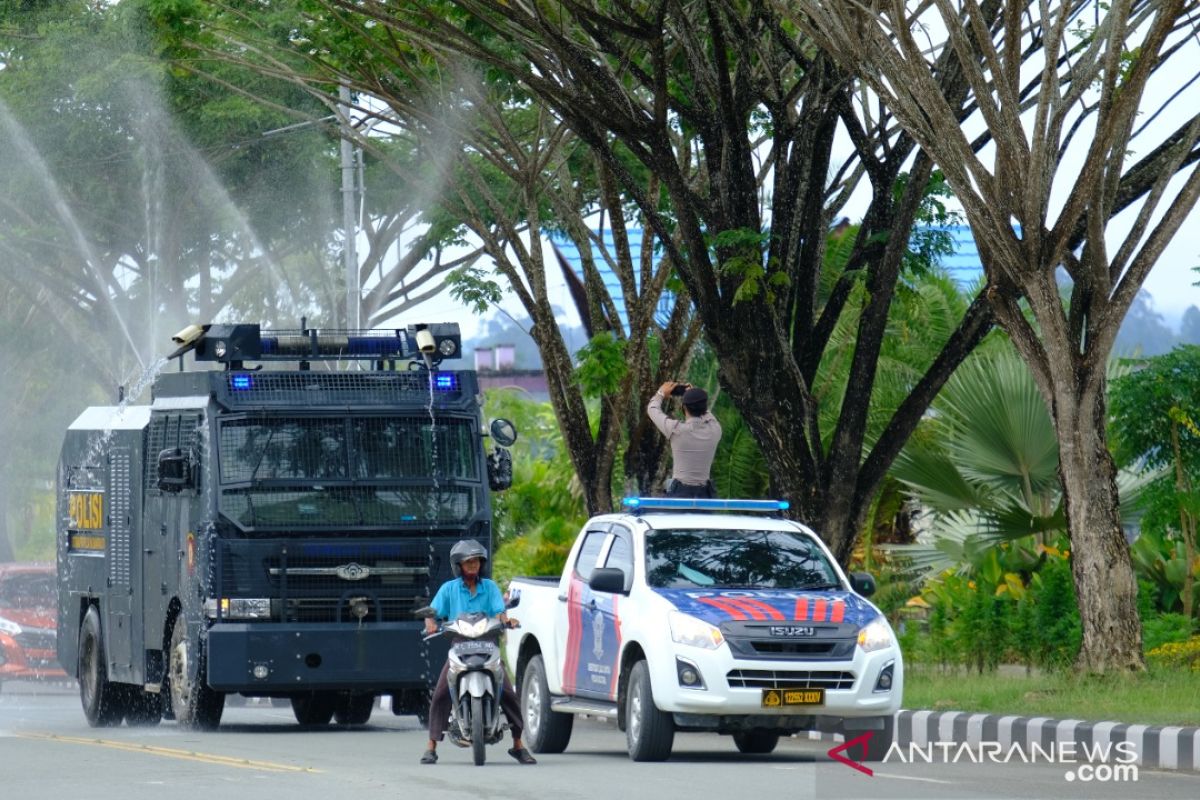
[1177,655]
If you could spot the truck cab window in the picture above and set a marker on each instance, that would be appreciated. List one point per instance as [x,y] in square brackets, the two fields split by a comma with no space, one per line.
[589,552]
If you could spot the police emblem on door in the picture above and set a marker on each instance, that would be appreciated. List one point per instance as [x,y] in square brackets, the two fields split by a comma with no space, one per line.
[597,634]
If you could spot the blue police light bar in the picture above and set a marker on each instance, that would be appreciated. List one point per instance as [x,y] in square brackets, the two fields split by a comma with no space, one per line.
[702,504]
[240,383]
[445,381]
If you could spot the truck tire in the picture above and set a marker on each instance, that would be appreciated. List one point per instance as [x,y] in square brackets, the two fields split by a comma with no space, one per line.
[478,740]
[314,708]
[650,733]
[756,742]
[103,702]
[142,709]
[194,704]
[545,731]
[880,741]
[354,709]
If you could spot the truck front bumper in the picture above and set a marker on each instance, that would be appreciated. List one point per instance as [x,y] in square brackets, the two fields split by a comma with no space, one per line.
[734,687]
[275,658]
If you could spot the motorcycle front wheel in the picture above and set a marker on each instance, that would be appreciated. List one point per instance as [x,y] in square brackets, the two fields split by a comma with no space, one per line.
[478,742]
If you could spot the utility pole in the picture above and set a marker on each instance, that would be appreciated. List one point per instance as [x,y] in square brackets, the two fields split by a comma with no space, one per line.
[349,215]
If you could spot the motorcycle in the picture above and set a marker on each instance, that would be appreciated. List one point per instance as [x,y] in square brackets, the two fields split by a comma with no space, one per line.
[476,678]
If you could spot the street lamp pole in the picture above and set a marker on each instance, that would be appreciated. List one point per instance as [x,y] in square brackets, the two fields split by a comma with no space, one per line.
[349,218]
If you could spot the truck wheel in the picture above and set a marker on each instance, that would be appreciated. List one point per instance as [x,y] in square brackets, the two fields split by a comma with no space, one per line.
[195,705]
[545,731]
[880,741]
[103,702]
[478,742]
[650,733]
[142,709]
[756,742]
[314,708]
[355,709]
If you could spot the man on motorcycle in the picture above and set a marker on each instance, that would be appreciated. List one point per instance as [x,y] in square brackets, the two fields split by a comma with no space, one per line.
[466,593]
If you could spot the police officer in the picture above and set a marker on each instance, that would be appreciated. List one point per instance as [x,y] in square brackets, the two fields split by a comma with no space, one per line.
[466,593]
[693,439]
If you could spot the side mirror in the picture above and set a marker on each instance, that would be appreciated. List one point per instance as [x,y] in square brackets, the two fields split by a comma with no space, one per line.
[175,470]
[863,583]
[499,469]
[513,598]
[504,432]
[607,579]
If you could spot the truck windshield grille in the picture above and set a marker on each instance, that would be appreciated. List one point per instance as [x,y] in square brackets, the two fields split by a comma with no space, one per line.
[298,472]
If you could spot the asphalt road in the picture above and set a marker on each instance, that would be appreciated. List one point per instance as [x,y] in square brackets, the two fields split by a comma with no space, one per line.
[48,751]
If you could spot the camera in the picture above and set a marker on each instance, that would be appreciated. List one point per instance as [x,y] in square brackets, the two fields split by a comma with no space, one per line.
[679,389]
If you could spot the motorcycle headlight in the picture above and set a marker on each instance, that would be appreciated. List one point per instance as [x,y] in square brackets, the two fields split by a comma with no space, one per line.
[686,629]
[874,636]
[9,627]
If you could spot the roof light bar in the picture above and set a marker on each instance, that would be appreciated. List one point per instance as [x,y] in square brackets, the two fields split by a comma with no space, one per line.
[702,504]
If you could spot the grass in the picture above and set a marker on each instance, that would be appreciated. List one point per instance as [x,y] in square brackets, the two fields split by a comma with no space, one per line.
[1160,697]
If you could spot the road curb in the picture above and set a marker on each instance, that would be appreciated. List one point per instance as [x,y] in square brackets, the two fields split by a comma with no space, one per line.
[1173,747]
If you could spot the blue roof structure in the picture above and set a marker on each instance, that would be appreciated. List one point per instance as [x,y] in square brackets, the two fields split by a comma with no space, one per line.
[963,264]
[635,235]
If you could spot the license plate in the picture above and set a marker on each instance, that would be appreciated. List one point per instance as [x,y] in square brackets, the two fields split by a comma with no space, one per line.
[473,647]
[783,698]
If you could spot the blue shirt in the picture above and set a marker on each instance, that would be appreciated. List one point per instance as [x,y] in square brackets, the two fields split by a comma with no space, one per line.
[454,599]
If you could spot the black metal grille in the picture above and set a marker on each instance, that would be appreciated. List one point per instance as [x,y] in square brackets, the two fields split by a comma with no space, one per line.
[171,431]
[325,388]
[789,679]
[348,507]
[782,648]
[354,581]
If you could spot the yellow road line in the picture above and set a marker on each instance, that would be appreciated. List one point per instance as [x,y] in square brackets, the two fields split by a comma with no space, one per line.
[170,752]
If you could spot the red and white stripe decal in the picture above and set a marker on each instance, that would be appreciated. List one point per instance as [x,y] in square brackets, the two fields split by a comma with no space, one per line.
[574,636]
[723,604]
[802,609]
[756,608]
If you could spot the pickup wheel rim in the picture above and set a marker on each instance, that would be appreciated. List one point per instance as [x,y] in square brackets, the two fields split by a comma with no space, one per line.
[635,712]
[533,707]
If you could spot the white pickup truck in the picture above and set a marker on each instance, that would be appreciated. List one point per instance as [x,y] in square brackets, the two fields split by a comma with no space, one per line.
[677,616]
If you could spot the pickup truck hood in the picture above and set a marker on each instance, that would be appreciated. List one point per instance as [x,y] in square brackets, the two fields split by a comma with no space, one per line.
[771,605]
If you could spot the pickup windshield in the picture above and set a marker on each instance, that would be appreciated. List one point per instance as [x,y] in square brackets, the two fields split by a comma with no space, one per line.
[743,559]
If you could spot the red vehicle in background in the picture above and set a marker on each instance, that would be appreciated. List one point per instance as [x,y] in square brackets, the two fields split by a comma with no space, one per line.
[28,613]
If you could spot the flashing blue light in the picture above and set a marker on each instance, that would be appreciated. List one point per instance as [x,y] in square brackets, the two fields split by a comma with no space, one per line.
[445,381]
[240,383]
[702,504]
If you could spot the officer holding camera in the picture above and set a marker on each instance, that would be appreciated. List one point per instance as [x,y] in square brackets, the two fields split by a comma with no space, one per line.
[693,439]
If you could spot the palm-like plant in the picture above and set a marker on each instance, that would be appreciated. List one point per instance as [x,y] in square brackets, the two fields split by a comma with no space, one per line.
[986,466]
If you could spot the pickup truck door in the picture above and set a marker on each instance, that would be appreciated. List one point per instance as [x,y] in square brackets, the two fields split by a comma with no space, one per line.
[606,642]
[575,625]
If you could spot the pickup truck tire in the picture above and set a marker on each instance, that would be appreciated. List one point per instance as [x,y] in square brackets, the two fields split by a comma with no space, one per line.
[650,733]
[545,731]
[103,702]
[756,742]
[880,741]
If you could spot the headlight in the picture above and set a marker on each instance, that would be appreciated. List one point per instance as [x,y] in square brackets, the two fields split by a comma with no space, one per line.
[9,627]
[686,629]
[239,608]
[875,636]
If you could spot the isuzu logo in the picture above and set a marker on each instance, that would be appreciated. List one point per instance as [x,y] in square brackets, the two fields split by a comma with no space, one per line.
[353,572]
[793,630]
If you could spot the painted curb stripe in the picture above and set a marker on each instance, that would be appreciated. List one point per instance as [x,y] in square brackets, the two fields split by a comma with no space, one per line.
[169,752]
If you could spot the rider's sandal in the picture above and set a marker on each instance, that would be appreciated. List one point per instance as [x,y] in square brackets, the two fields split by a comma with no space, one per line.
[430,757]
[522,755]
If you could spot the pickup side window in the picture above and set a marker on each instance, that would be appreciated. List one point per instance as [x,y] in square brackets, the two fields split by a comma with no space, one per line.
[589,553]
[620,554]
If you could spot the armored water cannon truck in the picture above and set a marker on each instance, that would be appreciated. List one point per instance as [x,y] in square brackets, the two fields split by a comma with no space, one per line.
[267,525]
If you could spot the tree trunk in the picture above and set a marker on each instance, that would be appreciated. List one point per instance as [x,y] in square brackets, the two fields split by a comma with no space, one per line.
[1103,571]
